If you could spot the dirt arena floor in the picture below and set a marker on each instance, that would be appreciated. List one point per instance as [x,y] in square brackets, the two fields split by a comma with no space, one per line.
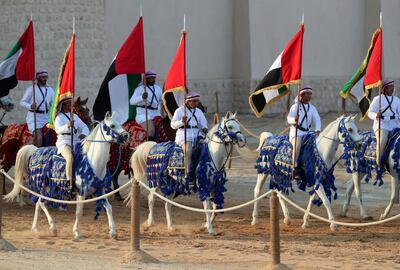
[237,244]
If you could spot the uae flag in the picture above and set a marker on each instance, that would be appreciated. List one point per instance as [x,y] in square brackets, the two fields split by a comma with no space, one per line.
[284,71]
[175,81]
[358,87]
[19,64]
[122,78]
[66,81]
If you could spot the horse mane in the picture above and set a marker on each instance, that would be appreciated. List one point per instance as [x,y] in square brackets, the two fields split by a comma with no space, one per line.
[329,127]
[87,141]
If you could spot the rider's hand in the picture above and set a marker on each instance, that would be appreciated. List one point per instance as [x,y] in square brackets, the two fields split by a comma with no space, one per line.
[82,136]
[317,132]
[144,95]
[379,115]
[296,119]
[71,123]
[33,106]
[205,130]
[184,120]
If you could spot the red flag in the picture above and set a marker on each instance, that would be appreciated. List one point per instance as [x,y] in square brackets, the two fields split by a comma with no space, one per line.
[292,58]
[25,69]
[373,74]
[130,57]
[175,82]
[66,81]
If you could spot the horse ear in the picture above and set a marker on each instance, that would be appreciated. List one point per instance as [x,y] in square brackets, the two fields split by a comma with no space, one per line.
[85,101]
[107,115]
[78,100]
[228,114]
[234,115]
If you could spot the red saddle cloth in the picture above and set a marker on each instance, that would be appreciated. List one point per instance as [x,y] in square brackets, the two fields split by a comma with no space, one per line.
[137,135]
[17,135]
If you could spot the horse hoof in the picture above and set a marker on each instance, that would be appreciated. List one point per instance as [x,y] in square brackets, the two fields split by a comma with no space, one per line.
[211,232]
[334,227]
[382,217]
[77,236]
[118,197]
[287,221]
[343,214]
[113,235]
[367,218]
[149,223]
[171,228]
[305,226]
[53,232]
[35,230]
[254,222]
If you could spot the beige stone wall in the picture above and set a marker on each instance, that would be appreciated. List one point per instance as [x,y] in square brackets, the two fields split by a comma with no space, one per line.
[53,29]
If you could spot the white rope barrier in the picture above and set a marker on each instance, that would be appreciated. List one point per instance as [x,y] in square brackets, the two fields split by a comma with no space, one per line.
[247,130]
[62,201]
[202,210]
[281,196]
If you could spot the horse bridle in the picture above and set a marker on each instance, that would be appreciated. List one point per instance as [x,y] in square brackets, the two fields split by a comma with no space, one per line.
[117,137]
[223,133]
[344,132]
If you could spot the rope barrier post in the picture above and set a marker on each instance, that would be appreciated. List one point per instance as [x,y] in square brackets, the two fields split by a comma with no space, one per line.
[275,236]
[136,254]
[274,223]
[4,244]
[135,217]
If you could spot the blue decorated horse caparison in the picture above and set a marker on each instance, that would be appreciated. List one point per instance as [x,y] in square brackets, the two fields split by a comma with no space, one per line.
[161,166]
[42,169]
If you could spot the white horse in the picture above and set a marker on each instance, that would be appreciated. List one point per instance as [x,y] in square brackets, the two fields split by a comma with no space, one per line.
[354,185]
[327,144]
[220,143]
[96,148]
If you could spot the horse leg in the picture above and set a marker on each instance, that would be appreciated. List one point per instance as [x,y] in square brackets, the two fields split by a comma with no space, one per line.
[285,211]
[52,224]
[78,214]
[168,215]
[349,192]
[394,197]
[321,194]
[36,217]
[150,218]
[208,225]
[357,190]
[257,189]
[117,196]
[305,217]
[214,214]
[111,223]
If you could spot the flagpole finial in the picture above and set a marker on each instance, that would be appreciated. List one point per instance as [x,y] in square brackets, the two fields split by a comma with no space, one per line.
[73,25]
[380,19]
[141,10]
[31,16]
[184,22]
[302,17]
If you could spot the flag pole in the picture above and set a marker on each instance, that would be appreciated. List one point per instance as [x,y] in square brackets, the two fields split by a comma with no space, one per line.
[297,113]
[145,90]
[378,145]
[35,137]
[185,158]
[72,112]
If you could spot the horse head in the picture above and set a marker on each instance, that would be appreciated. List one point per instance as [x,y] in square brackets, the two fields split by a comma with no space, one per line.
[230,130]
[113,131]
[82,111]
[347,130]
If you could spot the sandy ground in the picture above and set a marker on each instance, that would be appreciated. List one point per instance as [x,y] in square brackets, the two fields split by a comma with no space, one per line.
[237,245]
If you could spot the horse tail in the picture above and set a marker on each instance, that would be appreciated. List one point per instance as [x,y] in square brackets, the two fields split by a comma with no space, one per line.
[21,170]
[138,161]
